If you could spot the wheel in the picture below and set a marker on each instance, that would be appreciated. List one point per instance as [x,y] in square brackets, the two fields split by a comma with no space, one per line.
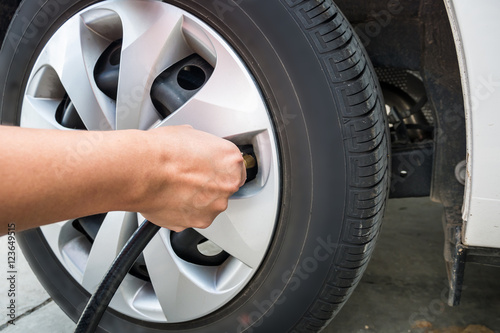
[287,78]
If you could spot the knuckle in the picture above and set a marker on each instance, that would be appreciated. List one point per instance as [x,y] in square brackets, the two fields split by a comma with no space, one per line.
[234,187]
[202,224]
[235,152]
[234,182]
[177,229]
[221,205]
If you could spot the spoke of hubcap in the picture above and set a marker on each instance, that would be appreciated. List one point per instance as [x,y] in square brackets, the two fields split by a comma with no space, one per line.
[228,104]
[152,41]
[113,234]
[39,113]
[72,53]
[245,228]
[181,291]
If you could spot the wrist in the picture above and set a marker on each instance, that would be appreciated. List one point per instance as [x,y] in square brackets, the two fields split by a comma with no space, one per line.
[128,153]
[139,167]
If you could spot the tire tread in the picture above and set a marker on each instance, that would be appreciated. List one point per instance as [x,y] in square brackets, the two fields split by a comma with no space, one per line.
[364,125]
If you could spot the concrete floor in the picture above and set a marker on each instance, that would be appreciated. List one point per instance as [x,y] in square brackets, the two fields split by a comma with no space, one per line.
[405,284]
[402,290]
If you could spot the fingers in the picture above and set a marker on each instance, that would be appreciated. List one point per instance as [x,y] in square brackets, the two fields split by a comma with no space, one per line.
[241,168]
[200,170]
[243,174]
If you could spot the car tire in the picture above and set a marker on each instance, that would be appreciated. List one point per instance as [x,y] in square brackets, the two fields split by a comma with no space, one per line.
[330,125]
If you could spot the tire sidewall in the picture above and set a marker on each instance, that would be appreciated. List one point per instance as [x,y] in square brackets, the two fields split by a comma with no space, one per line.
[311,154]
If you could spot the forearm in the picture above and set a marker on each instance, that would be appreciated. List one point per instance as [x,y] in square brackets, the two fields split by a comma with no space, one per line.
[51,176]
[175,176]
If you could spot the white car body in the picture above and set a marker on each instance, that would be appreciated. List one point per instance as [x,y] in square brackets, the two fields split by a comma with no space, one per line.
[475,27]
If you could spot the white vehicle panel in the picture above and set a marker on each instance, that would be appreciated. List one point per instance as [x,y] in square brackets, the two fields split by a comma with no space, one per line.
[475,26]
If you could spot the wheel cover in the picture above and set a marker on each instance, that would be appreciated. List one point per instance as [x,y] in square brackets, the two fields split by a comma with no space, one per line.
[155,36]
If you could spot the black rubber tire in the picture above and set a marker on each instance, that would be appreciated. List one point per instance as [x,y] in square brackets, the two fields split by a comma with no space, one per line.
[330,119]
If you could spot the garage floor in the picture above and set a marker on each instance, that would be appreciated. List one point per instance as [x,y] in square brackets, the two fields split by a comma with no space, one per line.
[405,284]
[402,290]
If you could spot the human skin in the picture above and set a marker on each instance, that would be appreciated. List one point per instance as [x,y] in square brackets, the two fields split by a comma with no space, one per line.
[175,176]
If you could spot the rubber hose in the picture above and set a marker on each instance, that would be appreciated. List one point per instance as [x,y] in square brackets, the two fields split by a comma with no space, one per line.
[99,301]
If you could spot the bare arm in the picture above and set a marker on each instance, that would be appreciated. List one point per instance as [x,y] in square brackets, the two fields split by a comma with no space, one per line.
[176,177]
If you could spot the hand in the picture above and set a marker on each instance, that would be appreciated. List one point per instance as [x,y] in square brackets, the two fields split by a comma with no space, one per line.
[191,176]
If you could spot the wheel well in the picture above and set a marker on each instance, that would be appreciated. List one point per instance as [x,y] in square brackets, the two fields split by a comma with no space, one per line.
[416,36]
[7,10]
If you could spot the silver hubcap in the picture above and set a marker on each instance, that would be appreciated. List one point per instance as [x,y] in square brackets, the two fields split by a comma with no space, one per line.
[155,36]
